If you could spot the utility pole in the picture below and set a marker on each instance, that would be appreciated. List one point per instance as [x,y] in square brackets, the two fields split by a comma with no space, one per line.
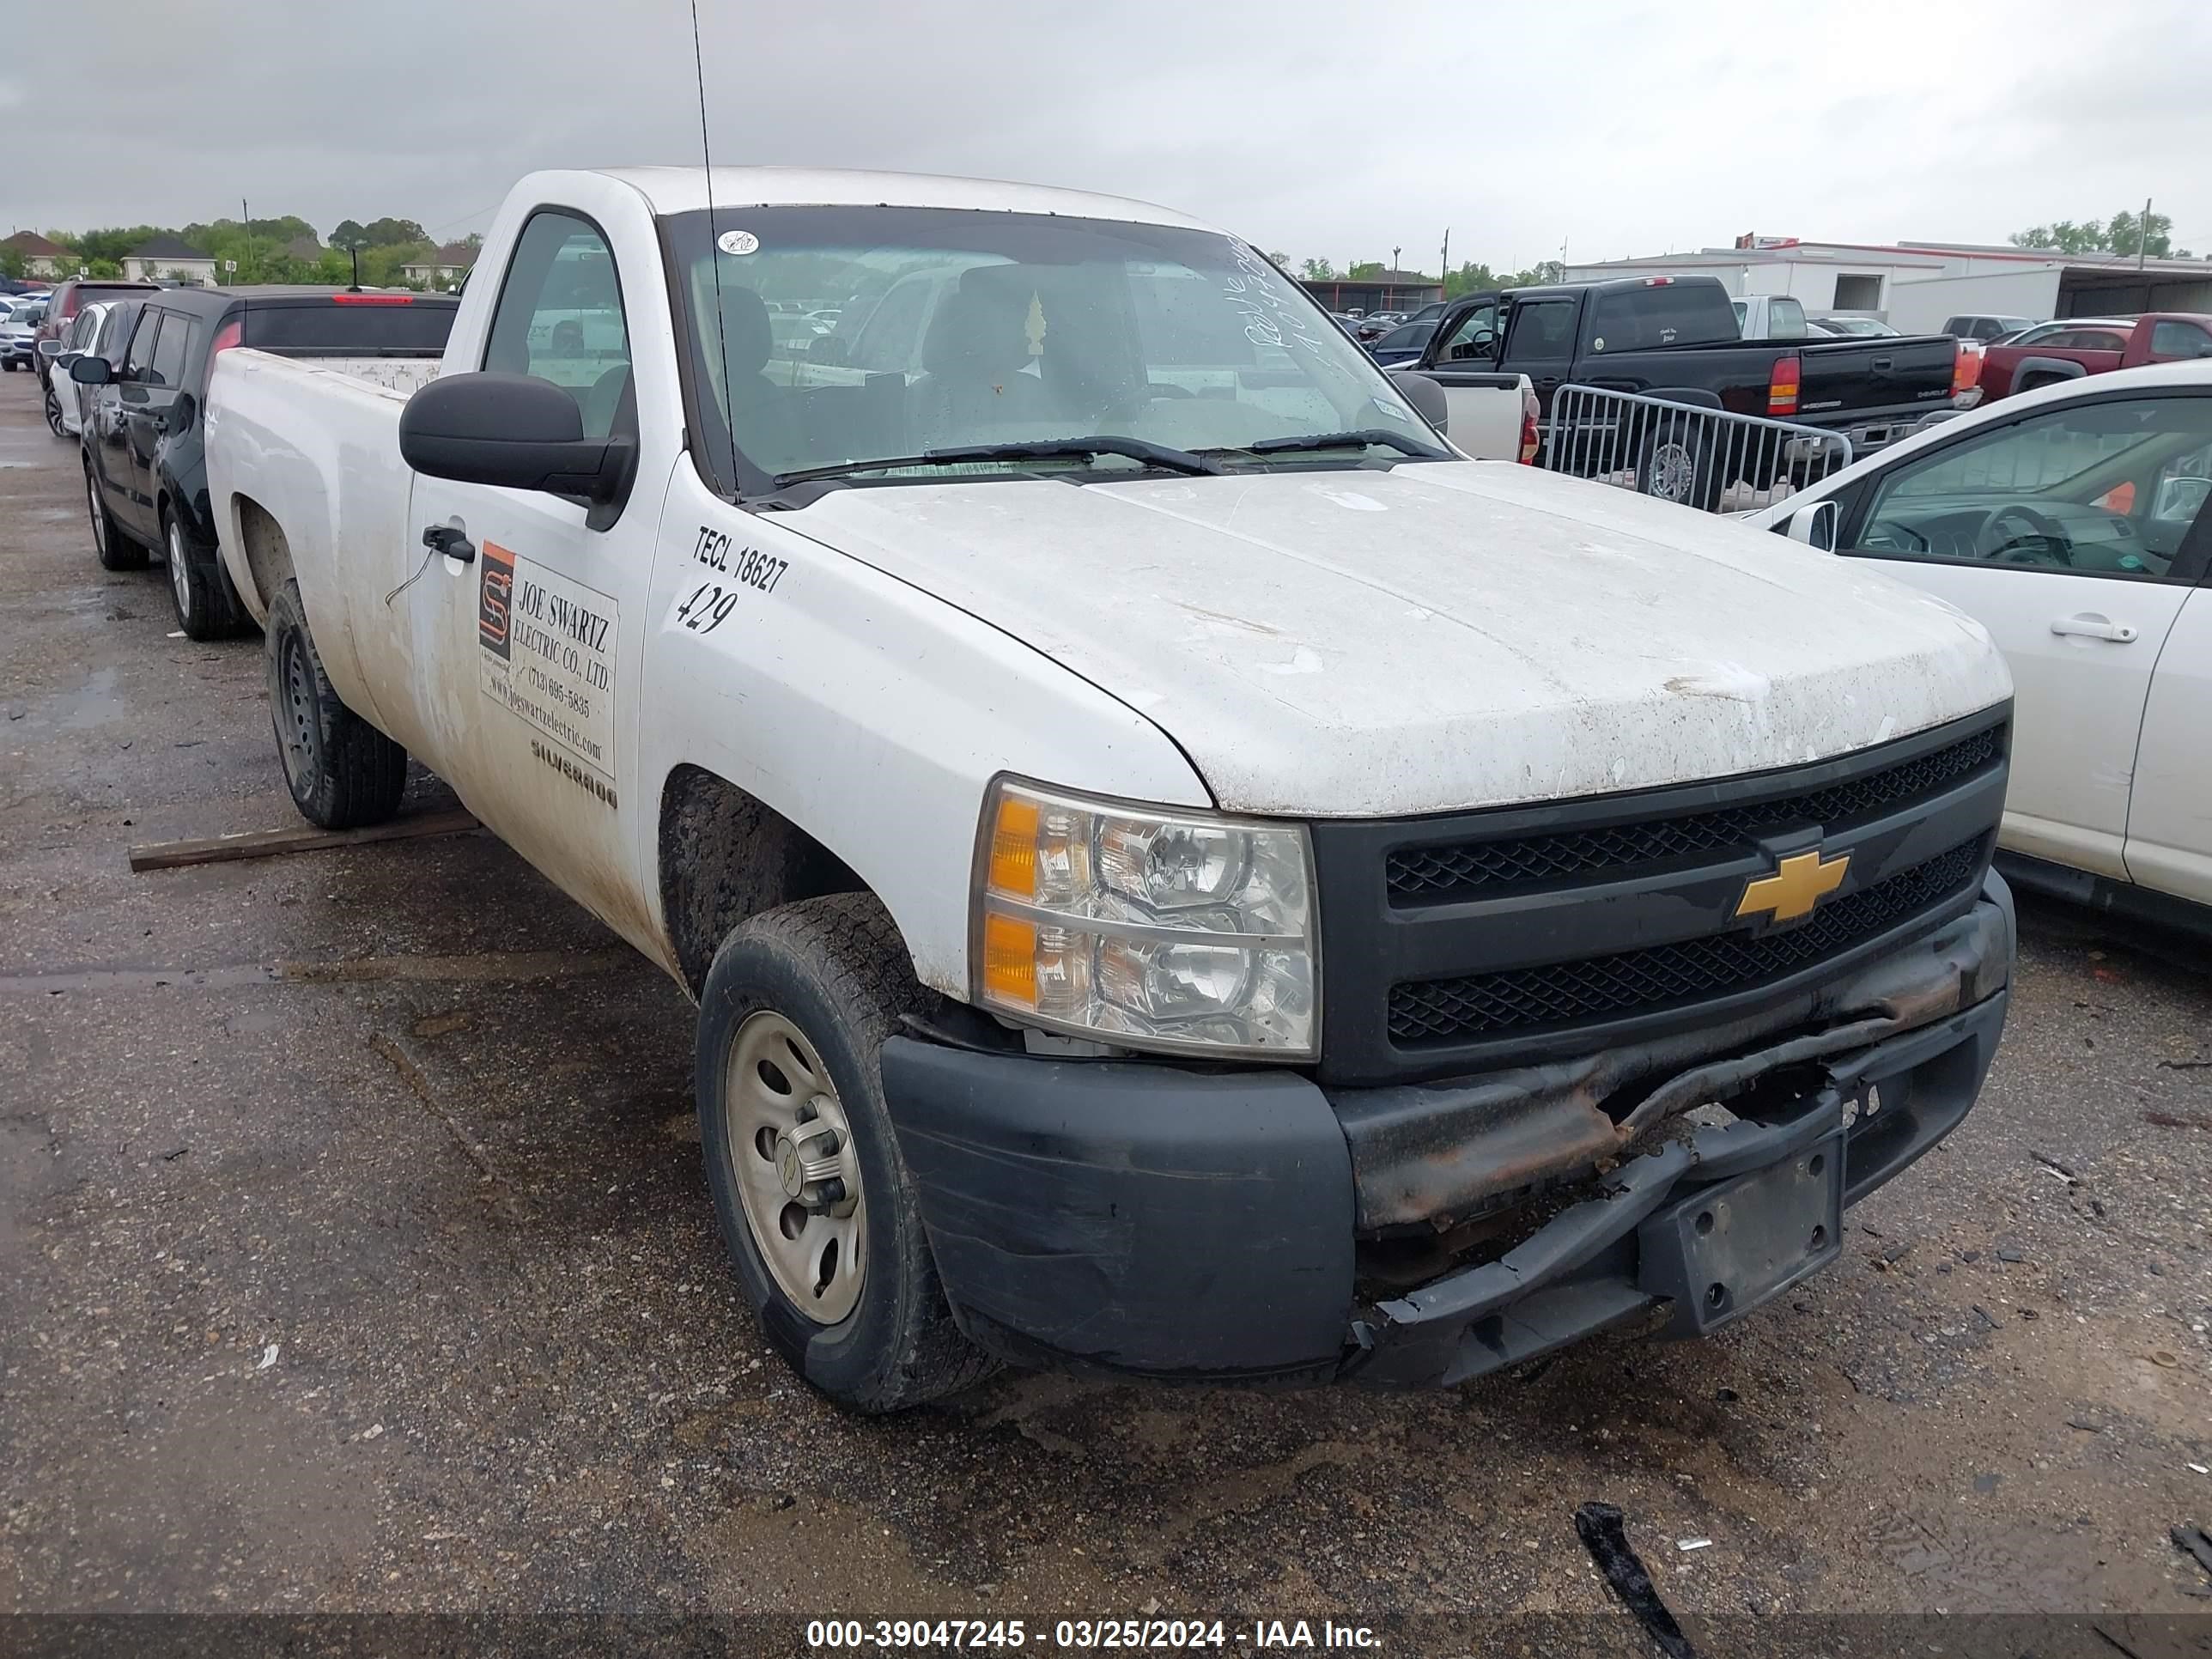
[2142,235]
[246,218]
[1443,262]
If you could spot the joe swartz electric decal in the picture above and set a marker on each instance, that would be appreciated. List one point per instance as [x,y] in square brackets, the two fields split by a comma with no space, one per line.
[549,656]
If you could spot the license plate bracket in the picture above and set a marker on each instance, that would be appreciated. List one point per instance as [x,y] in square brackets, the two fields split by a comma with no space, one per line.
[1726,1248]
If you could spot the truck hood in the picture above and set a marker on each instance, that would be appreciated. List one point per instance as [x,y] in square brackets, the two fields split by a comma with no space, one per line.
[1447,634]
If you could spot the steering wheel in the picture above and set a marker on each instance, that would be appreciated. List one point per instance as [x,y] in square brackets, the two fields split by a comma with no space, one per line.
[1991,544]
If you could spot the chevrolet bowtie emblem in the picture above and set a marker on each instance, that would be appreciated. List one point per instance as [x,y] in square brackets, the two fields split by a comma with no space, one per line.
[1799,882]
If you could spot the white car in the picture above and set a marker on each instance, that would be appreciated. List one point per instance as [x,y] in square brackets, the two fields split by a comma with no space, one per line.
[65,400]
[2071,523]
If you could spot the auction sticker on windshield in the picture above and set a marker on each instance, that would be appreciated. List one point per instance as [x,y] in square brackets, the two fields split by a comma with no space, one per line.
[548,654]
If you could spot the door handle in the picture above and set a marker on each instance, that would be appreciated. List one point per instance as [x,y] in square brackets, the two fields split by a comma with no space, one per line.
[2090,626]
[451,540]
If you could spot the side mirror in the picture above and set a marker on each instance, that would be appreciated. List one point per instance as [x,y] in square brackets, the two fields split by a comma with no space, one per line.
[1814,526]
[50,348]
[514,430]
[1426,396]
[89,370]
[827,348]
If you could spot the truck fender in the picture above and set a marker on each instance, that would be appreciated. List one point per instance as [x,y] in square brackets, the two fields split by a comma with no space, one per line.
[2064,367]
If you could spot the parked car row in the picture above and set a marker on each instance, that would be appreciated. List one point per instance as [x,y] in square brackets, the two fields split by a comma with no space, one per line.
[127,375]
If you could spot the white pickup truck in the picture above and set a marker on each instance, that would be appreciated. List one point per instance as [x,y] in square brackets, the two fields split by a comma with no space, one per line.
[1181,874]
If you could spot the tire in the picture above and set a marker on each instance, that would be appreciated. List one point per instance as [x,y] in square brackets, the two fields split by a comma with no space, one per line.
[199,588]
[53,402]
[9,364]
[342,771]
[1677,465]
[114,550]
[833,971]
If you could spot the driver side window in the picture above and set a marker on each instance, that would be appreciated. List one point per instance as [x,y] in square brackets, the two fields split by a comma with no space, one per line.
[2106,488]
[560,317]
[1473,338]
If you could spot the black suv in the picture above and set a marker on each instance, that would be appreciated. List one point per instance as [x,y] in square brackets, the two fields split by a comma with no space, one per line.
[145,469]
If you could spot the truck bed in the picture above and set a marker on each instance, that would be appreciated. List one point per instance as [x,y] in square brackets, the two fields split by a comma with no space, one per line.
[323,435]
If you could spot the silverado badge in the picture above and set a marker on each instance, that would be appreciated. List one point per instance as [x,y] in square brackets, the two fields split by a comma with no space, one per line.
[1799,882]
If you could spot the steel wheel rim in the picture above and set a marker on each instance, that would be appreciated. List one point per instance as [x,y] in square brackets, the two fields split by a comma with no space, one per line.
[789,1150]
[1671,466]
[295,712]
[54,414]
[180,575]
[92,501]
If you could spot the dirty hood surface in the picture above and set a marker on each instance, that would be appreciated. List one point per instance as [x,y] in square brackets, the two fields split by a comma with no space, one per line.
[1445,635]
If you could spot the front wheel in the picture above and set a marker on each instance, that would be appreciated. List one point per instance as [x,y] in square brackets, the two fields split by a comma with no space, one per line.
[815,1205]
[342,771]
[53,412]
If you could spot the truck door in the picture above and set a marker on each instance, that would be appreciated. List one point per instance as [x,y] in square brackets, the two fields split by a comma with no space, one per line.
[527,653]
[2062,534]
[1539,342]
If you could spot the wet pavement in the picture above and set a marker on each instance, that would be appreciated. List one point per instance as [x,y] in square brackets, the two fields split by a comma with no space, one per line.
[355,1254]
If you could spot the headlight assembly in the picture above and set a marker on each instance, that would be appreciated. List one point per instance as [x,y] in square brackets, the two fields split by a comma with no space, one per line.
[1152,927]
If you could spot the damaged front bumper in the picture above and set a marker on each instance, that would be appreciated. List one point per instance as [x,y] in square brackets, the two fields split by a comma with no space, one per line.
[1158,1219]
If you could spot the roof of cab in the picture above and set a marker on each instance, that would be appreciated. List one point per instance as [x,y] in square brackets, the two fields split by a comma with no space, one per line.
[684,189]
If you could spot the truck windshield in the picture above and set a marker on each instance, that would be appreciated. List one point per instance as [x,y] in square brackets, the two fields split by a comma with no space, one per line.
[824,336]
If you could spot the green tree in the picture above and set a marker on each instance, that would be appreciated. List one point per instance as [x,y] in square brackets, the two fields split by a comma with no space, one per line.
[1365,269]
[392,232]
[112,244]
[1317,270]
[11,262]
[2123,233]
[349,235]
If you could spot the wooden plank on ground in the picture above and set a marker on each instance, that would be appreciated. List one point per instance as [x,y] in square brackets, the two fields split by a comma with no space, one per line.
[296,838]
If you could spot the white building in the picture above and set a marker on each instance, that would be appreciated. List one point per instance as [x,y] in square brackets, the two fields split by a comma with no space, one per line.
[1916,286]
[168,259]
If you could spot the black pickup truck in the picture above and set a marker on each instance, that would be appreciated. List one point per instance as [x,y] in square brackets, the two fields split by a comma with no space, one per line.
[1675,339]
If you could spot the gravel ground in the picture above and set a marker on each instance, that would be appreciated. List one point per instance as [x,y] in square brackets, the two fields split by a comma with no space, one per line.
[354,1256]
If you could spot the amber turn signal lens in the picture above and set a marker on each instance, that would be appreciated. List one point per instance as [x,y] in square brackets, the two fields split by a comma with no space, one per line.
[1014,847]
[1010,959]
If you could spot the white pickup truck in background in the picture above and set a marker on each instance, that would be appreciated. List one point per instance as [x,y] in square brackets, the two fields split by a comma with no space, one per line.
[1171,858]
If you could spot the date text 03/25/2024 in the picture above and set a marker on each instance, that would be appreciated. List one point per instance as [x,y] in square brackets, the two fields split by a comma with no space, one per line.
[1263,1635]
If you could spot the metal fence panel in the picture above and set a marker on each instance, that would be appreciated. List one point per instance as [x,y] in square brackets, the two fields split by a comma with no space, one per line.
[1708,458]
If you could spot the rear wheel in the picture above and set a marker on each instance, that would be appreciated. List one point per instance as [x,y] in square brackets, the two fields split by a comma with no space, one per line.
[815,1205]
[115,550]
[198,588]
[1678,466]
[342,771]
[53,412]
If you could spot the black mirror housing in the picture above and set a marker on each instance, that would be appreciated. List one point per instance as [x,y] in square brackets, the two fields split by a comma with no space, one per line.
[89,370]
[1426,396]
[514,430]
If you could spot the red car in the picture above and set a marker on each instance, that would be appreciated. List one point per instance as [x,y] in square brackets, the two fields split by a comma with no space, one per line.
[2095,345]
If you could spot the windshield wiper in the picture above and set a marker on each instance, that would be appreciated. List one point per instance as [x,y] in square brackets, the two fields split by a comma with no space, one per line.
[1359,440]
[1135,449]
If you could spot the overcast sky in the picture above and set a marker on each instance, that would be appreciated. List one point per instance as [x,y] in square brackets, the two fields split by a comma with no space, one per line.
[1617,128]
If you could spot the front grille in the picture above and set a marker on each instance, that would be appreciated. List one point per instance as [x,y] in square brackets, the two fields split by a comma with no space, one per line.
[1431,875]
[1650,980]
